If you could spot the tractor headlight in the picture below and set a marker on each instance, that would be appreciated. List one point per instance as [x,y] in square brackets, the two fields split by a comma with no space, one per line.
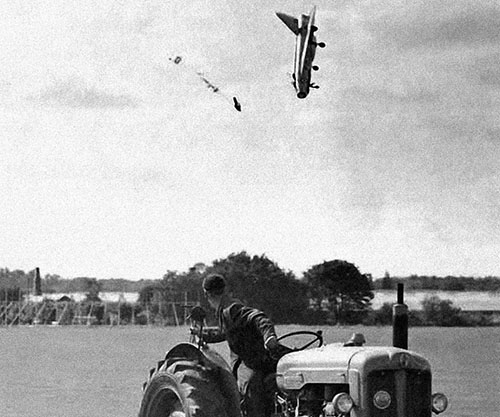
[382,400]
[439,402]
[342,403]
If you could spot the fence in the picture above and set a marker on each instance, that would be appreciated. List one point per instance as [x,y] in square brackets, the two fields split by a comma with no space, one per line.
[55,313]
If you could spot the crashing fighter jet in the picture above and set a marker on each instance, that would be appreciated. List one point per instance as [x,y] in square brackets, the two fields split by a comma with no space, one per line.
[305,49]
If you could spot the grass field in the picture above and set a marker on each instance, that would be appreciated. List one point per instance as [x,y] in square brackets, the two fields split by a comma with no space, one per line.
[98,371]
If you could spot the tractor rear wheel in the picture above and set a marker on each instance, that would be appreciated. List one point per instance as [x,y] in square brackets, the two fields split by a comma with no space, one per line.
[183,389]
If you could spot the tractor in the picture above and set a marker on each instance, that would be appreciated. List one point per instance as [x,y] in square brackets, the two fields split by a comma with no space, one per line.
[334,380]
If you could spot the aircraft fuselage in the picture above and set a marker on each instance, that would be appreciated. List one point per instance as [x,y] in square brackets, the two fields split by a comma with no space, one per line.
[305,50]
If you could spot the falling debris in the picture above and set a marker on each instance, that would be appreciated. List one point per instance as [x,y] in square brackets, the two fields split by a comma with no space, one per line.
[215,89]
[176,60]
[208,83]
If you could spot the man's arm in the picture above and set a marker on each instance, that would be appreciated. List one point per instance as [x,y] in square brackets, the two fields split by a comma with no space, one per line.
[242,315]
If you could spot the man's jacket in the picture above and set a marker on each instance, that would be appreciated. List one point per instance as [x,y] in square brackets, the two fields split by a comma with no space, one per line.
[246,329]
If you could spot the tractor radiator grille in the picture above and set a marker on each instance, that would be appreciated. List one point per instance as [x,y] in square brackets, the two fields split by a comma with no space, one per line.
[418,393]
[410,392]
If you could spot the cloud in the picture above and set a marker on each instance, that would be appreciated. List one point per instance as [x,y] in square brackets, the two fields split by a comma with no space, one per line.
[370,94]
[75,93]
[485,70]
[437,24]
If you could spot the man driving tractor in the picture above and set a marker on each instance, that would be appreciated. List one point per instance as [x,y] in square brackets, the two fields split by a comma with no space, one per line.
[252,341]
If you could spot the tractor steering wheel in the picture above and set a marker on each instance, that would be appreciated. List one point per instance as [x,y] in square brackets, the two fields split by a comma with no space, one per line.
[317,337]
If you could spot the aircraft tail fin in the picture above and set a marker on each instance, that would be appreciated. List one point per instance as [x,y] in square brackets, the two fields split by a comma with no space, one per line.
[291,22]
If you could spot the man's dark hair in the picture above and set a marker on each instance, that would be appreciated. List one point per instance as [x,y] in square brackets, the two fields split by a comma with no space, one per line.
[214,284]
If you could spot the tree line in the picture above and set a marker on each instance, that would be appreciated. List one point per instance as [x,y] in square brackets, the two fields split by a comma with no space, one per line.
[447,283]
[331,292]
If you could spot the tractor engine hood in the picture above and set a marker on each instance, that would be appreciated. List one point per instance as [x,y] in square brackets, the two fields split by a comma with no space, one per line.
[336,364]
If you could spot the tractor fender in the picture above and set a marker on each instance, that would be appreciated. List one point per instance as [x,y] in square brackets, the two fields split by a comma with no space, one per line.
[205,355]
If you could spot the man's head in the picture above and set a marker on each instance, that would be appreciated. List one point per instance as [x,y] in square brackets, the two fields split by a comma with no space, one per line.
[214,286]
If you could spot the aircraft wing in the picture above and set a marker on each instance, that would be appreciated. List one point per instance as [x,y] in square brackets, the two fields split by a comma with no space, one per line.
[291,22]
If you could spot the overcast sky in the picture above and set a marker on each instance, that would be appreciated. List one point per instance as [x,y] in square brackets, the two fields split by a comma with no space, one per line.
[115,162]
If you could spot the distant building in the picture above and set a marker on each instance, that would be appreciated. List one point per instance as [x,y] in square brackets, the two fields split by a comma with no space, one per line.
[107,297]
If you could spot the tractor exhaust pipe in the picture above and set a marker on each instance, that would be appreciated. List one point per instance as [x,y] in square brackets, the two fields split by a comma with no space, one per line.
[400,321]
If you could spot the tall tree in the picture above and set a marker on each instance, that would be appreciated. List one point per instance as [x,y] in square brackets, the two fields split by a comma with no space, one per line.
[262,284]
[386,282]
[92,289]
[341,284]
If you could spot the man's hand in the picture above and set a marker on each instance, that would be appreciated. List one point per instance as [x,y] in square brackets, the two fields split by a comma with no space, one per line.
[271,343]
[275,349]
[195,330]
